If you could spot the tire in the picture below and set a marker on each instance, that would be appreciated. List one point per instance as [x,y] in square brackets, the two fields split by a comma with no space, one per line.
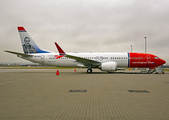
[89,70]
[149,72]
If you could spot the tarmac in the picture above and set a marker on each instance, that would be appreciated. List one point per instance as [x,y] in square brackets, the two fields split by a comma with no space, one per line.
[43,95]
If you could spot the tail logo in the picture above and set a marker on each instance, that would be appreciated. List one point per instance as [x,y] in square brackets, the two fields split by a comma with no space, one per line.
[27,47]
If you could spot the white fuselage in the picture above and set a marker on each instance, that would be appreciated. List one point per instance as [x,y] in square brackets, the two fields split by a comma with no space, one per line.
[50,59]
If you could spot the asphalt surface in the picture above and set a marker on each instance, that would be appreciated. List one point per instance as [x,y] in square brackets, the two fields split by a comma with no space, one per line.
[43,95]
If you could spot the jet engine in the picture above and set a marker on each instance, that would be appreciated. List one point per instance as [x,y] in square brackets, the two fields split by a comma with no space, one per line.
[108,66]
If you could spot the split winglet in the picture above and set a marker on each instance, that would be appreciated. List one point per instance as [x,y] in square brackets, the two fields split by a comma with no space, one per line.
[61,52]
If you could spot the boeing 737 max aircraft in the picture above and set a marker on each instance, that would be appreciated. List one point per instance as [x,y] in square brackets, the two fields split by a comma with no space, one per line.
[103,61]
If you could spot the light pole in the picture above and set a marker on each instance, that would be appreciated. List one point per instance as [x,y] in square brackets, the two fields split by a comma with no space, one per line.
[131,48]
[145,45]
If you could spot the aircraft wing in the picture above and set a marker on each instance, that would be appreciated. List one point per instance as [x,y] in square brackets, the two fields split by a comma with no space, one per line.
[23,55]
[84,61]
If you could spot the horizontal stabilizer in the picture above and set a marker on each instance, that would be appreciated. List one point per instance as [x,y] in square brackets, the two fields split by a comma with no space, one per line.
[24,55]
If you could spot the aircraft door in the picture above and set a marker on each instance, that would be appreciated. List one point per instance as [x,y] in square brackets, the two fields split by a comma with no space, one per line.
[101,58]
[97,58]
[148,58]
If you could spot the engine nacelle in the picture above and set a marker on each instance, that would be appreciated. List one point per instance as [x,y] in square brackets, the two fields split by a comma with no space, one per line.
[108,66]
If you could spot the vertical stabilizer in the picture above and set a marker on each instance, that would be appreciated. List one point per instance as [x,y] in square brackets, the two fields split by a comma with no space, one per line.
[28,44]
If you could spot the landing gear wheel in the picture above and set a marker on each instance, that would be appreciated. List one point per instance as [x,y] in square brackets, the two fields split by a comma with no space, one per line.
[149,71]
[89,70]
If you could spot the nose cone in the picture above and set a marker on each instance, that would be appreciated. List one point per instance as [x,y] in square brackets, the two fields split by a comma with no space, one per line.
[163,61]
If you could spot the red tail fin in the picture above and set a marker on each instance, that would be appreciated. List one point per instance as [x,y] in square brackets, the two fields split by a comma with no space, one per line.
[60,49]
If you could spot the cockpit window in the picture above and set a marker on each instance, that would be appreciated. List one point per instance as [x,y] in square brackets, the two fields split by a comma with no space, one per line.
[156,57]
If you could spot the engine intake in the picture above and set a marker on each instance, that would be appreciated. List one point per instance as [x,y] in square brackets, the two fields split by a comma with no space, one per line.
[108,66]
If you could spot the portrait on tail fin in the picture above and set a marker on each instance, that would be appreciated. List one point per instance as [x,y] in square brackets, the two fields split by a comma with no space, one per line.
[27,47]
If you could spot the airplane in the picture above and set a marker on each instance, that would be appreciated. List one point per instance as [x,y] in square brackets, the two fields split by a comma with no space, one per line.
[104,61]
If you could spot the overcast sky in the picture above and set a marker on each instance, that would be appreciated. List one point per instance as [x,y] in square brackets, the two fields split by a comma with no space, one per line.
[86,25]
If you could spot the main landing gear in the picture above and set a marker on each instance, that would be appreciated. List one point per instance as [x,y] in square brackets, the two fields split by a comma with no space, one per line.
[89,70]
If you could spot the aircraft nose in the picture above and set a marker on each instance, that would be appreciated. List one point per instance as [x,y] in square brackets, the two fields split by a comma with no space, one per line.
[163,61]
